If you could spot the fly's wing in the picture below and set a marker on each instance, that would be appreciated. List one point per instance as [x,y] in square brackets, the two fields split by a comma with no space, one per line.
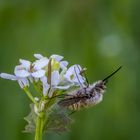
[58,120]
[70,101]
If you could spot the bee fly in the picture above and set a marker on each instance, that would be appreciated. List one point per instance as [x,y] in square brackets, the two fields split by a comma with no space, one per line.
[87,96]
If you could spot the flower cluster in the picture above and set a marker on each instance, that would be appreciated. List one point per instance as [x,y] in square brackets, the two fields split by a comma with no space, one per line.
[48,74]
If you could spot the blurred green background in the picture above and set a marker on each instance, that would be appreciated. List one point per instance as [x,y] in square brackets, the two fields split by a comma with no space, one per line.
[98,34]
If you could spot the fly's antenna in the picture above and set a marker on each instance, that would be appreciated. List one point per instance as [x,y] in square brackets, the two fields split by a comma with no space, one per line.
[78,77]
[82,72]
[106,79]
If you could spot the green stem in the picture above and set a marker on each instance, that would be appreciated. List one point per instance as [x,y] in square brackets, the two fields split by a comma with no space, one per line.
[39,127]
[29,95]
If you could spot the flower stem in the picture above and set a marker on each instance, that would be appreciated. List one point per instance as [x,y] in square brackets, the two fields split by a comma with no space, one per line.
[29,95]
[39,127]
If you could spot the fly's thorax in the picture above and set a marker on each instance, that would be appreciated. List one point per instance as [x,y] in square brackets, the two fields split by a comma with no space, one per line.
[84,97]
[98,87]
[95,99]
[79,92]
[95,93]
[89,91]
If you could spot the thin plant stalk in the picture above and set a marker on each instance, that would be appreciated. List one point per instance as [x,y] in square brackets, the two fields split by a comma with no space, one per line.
[39,127]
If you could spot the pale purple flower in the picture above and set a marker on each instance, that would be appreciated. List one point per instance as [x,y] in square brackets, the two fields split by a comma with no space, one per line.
[26,70]
[21,73]
[40,63]
[55,83]
[61,77]
[73,75]
[23,82]
[43,61]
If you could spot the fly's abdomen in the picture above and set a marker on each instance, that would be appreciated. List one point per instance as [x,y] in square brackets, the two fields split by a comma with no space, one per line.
[77,103]
[84,98]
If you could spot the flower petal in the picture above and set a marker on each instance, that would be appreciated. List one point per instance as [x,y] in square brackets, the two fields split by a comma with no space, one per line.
[8,76]
[63,64]
[63,87]
[55,78]
[69,74]
[25,63]
[22,73]
[38,74]
[43,79]
[39,64]
[75,69]
[23,82]
[57,57]
[45,89]
[73,75]
[78,80]
[38,56]
[20,83]
[46,86]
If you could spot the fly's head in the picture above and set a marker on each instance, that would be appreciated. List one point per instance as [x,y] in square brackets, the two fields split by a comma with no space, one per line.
[98,87]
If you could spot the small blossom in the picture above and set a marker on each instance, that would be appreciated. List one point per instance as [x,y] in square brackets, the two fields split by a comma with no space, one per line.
[37,73]
[38,56]
[56,80]
[23,82]
[64,64]
[57,57]
[25,63]
[55,83]
[41,63]
[45,85]
[73,75]
[20,71]
[26,70]
[56,62]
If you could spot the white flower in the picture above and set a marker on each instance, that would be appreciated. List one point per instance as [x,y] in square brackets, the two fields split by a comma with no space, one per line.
[61,77]
[55,81]
[57,57]
[23,82]
[25,63]
[26,70]
[38,74]
[63,64]
[21,71]
[45,85]
[43,61]
[73,75]
[38,56]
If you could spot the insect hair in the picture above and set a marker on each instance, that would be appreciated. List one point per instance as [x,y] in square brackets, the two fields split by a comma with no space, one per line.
[86,96]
